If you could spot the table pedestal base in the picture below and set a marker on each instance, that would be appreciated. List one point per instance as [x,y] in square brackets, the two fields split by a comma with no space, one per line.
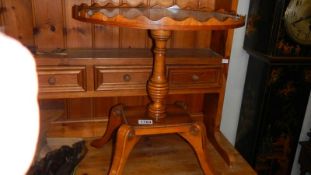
[124,120]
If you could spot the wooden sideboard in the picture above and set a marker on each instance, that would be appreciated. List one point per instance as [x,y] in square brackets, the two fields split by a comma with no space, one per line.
[115,72]
[107,77]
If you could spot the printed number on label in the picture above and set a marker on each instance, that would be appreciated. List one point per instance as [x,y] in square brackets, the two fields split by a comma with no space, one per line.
[225,61]
[145,122]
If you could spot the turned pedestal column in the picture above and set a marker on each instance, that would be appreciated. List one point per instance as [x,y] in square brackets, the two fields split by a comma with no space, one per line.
[157,87]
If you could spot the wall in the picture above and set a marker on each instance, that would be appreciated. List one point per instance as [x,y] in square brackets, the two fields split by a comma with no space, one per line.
[236,78]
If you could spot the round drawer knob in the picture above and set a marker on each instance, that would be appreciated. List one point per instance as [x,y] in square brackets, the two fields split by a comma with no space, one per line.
[195,77]
[52,80]
[127,77]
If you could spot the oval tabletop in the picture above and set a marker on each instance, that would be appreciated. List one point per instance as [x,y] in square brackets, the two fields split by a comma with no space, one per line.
[172,18]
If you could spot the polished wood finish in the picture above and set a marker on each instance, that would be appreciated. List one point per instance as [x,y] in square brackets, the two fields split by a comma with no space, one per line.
[108,68]
[121,77]
[192,77]
[172,18]
[61,79]
[157,86]
[127,121]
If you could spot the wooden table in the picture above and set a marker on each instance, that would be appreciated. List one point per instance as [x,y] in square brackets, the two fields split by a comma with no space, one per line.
[157,118]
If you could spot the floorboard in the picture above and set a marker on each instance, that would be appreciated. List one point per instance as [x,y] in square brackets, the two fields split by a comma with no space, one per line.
[153,155]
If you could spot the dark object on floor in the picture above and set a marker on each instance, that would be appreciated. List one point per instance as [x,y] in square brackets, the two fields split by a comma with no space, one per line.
[61,161]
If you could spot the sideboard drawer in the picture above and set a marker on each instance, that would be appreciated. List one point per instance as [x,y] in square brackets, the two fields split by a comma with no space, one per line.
[183,77]
[61,78]
[121,77]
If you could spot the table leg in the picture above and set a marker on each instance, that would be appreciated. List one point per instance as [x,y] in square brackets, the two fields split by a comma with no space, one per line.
[196,137]
[126,140]
[114,122]
[157,87]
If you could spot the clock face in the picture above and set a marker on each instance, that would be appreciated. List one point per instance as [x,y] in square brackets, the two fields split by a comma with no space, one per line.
[297,20]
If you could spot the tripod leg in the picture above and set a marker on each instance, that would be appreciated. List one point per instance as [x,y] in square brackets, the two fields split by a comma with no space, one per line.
[115,121]
[126,140]
[196,137]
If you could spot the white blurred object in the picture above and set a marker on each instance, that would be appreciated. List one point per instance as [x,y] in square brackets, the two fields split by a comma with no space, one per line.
[19,112]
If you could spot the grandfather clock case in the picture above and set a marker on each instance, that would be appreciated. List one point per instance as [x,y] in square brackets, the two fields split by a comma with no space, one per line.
[277,85]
